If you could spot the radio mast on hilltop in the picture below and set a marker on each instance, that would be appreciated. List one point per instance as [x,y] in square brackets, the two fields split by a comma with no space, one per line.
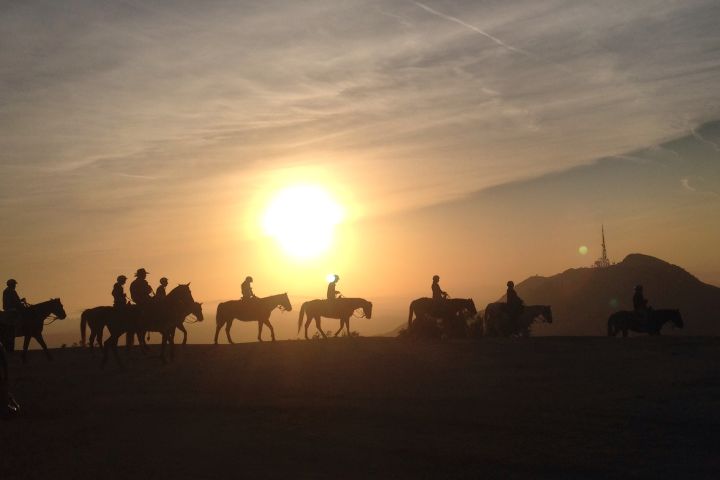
[603,261]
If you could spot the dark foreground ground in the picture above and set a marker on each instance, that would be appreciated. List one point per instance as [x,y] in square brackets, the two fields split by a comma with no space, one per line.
[374,408]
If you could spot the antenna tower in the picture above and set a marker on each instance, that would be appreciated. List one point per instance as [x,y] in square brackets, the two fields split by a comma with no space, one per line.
[603,261]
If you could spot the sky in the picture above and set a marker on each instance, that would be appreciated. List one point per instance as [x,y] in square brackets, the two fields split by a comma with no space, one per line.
[480,141]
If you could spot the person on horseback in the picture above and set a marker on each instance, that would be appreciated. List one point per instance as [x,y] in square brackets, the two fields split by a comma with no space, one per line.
[160,293]
[437,293]
[640,305]
[332,293]
[246,289]
[13,305]
[515,304]
[118,292]
[140,289]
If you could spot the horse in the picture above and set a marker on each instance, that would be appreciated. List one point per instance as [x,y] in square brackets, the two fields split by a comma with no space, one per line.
[253,310]
[97,318]
[624,320]
[159,316]
[341,308]
[30,325]
[194,308]
[496,321]
[446,309]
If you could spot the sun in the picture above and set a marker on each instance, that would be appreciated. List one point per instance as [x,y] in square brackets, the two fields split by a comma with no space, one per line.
[302,220]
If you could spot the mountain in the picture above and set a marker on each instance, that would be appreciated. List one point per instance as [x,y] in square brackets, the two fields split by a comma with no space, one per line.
[583,298]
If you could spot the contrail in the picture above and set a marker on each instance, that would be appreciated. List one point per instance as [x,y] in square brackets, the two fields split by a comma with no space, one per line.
[476,30]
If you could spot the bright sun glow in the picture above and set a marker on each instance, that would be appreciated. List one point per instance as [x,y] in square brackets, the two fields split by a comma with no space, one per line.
[302,220]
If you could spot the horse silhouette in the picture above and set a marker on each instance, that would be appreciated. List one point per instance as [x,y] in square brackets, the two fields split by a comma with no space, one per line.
[30,325]
[624,321]
[155,316]
[341,308]
[497,322]
[446,310]
[257,309]
[97,319]
[194,308]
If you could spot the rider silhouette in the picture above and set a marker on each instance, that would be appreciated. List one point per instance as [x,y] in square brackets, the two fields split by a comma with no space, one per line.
[160,293]
[640,304]
[332,294]
[246,289]
[140,289]
[514,302]
[118,292]
[12,303]
[437,292]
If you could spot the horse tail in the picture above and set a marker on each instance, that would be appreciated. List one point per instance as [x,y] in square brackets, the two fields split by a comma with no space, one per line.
[83,327]
[300,318]
[410,313]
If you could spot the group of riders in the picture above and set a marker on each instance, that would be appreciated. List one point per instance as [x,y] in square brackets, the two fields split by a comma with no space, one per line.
[514,305]
[142,293]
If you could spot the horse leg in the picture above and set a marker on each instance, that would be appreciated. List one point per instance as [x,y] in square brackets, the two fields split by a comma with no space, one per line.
[218,326]
[227,331]
[260,326]
[272,331]
[342,324]
[41,341]
[181,327]
[171,340]
[318,324]
[347,326]
[307,324]
[26,344]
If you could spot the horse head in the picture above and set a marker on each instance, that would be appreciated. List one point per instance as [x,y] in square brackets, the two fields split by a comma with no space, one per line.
[181,294]
[285,302]
[197,311]
[57,309]
[367,309]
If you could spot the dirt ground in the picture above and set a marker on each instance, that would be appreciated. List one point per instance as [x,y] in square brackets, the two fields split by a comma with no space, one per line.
[374,408]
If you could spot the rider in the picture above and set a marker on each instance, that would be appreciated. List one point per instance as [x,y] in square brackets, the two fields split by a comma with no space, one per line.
[640,304]
[246,288]
[160,293]
[12,303]
[437,292]
[118,292]
[332,294]
[140,289]
[514,302]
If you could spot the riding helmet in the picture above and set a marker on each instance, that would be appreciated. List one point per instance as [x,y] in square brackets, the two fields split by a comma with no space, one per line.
[163,281]
[11,282]
[511,283]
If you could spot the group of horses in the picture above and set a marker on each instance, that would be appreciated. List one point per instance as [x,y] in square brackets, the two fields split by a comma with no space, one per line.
[455,317]
[169,314]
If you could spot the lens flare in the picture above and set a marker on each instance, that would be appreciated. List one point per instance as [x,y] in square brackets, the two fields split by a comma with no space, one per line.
[583,250]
